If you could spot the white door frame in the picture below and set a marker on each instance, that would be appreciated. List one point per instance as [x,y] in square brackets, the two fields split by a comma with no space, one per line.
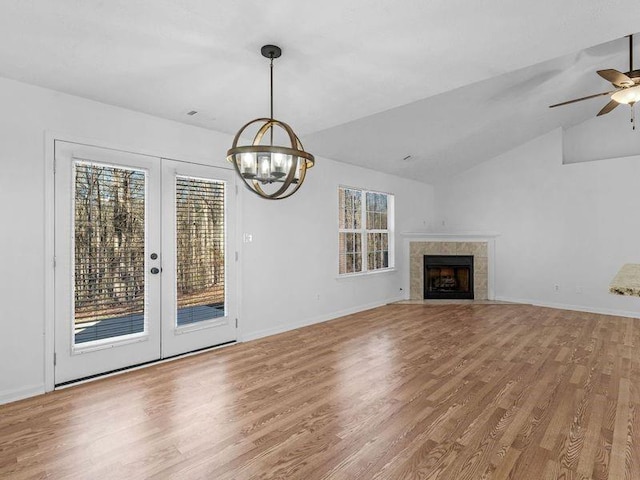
[50,137]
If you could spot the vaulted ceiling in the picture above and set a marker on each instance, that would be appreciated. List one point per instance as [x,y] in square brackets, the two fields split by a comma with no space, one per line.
[450,83]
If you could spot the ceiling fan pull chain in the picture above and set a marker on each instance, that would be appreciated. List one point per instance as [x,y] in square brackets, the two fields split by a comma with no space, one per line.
[633,116]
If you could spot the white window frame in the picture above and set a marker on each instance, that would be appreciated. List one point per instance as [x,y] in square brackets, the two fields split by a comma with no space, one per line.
[363,231]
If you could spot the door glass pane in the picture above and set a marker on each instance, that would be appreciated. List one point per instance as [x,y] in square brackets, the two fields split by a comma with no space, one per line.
[200,242]
[109,252]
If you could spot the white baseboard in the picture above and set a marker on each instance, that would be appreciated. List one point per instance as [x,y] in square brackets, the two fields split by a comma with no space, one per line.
[311,321]
[20,393]
[576,308]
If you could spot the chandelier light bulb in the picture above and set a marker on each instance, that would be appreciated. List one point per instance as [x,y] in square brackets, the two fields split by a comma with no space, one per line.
[264,162]
[280,162]
[248,165]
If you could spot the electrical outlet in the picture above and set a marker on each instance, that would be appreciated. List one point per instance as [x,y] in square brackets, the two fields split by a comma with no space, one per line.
[247,237]
[579,289]
[556,287]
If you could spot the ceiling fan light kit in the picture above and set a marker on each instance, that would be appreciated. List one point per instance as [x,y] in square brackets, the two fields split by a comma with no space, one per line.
[628,96]
[273,172]
[627,90]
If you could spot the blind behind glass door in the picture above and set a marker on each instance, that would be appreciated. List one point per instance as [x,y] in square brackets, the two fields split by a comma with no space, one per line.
[109,252]
[200,250]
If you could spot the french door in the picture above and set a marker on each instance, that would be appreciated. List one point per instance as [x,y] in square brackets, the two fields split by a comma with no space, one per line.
[143,267]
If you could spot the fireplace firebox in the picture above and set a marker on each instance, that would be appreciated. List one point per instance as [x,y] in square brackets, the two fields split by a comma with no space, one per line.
[448,277]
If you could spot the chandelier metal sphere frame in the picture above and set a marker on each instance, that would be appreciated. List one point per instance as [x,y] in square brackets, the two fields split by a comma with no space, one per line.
[271,171]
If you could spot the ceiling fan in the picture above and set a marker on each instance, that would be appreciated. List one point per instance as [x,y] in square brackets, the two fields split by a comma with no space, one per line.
[627,89]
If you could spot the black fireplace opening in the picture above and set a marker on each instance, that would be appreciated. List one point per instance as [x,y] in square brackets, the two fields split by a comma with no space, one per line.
[448,277]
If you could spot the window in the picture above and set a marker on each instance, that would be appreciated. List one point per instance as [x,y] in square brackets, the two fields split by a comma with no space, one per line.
[365,230]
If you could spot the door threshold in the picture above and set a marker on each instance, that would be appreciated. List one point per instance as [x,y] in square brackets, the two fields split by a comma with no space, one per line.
[119,371]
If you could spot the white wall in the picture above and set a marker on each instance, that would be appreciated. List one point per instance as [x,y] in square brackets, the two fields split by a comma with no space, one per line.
[292,260]
[601,138]
[571,225]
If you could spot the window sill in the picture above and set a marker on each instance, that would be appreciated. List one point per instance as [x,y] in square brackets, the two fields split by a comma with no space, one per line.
[369,273]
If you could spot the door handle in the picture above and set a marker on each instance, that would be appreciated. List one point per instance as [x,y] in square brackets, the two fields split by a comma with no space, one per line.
[155,270]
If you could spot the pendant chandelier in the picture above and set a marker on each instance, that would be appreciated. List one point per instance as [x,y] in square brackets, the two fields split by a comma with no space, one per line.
[271,171]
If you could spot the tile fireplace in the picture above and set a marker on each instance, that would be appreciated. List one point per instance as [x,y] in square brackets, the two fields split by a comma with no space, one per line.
[479,247]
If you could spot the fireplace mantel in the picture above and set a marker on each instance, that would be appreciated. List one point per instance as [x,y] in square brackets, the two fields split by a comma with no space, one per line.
[445,243]
[457,236]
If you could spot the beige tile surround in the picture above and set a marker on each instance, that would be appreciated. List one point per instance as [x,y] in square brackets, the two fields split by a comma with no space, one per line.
[479,250]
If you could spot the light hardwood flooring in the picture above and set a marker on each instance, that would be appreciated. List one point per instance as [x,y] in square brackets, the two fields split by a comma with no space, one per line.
[398,392]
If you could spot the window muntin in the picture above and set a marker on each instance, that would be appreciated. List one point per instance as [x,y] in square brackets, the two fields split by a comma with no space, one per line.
[364,230]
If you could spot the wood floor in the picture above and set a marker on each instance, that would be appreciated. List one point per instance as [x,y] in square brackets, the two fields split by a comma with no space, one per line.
[399,392]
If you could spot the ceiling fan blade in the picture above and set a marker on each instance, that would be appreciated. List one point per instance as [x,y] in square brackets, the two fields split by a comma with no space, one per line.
[608,107]
[619,79]
[583,98]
